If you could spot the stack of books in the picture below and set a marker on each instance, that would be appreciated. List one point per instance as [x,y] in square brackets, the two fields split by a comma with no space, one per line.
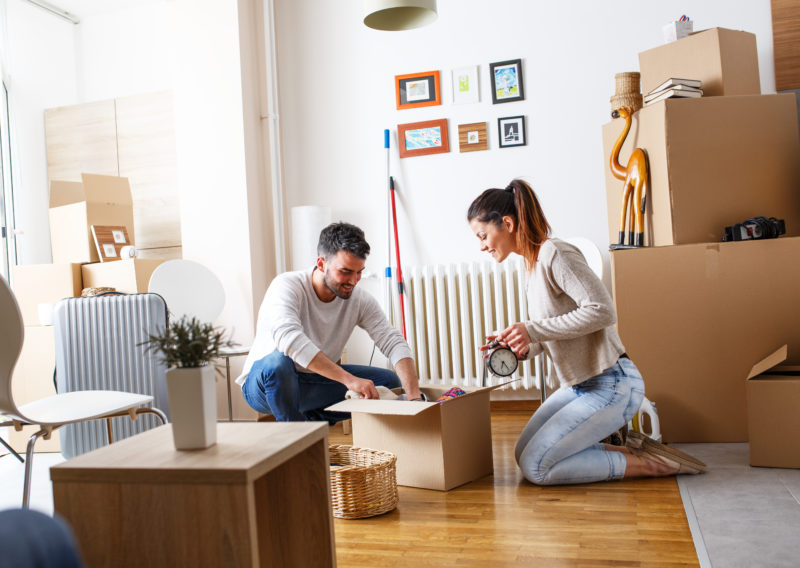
[673,87]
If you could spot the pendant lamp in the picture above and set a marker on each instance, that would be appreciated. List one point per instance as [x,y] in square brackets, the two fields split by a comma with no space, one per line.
[397,15]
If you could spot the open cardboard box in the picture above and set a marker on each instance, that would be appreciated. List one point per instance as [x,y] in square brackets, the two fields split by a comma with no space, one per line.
[714,162]
[773,420]
[438,446]
[726,61]
[75,206]
[694,319]
[36,284]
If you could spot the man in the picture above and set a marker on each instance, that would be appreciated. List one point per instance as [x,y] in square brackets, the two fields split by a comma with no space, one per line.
[304,322]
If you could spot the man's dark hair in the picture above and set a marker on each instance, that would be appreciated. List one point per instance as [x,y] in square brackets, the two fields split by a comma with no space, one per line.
[342,236]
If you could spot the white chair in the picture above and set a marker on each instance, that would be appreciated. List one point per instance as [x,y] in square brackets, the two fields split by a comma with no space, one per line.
[55,411]
[189,289]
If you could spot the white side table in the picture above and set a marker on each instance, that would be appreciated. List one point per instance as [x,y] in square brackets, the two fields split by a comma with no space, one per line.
[227,354]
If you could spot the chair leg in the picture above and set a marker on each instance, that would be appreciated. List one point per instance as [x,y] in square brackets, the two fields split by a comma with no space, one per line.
[26,489]
[110,431]
[12,450]
[156,411]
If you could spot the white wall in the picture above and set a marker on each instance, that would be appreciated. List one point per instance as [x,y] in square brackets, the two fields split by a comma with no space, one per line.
[337,95]
[41,63]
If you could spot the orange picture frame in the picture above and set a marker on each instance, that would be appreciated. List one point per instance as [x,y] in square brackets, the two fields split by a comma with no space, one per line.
[417,90]
[423,138]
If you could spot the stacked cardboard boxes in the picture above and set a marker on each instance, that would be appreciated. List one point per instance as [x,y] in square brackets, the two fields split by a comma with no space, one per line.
[696,314]
[74,207]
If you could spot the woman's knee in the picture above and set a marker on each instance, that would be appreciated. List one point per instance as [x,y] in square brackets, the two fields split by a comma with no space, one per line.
[536,472]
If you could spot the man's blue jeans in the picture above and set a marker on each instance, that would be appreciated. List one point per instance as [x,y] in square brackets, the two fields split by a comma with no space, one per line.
[274,386]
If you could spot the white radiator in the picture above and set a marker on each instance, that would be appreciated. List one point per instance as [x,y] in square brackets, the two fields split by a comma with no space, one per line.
[450,309]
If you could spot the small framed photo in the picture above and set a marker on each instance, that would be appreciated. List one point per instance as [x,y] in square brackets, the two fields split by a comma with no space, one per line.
[109,241]
[507,81]
[472,137]
[423,138]
[417,90]
[511,131]
[465,85]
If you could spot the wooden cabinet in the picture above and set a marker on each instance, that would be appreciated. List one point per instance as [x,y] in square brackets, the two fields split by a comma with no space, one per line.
[132,137]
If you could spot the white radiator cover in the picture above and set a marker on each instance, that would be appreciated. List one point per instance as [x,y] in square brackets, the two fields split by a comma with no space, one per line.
[450,309]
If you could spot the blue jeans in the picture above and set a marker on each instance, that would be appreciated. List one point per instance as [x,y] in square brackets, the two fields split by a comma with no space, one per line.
[560,444]
[30,539]
[274,386]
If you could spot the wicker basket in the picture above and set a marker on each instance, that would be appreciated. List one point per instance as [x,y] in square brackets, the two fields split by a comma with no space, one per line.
[363,482]
[627,83]
[633,100]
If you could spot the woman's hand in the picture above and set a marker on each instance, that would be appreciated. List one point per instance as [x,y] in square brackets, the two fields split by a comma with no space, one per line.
[517,338]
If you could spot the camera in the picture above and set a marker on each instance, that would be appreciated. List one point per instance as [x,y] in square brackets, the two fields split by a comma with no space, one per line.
[755,228]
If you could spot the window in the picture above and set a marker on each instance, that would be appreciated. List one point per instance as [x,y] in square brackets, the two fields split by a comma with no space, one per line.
[7,243]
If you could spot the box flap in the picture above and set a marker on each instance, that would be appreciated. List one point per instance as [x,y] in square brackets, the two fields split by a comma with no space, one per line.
[65,192]
[769,361]
[393,407]
[107,189]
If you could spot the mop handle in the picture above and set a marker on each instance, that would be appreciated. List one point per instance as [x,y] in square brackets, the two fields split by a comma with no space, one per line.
[397,253]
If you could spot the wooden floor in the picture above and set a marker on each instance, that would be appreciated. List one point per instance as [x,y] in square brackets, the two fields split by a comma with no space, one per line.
[502,520]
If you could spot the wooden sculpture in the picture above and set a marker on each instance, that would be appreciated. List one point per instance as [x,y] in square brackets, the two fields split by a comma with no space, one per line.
[634,194]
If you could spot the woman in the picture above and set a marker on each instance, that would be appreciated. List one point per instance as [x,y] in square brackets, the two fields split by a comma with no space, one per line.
[572,319]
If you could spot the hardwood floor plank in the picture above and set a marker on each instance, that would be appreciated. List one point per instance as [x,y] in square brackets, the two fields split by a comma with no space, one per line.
[503,520]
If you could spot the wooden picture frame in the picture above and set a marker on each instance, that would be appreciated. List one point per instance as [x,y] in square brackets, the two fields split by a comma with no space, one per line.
[417,90]
[507,84]
[423,138]
[109,241]
[472,137]
[511,131]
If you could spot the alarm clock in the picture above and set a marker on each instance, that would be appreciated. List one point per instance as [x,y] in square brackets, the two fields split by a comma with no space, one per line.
[502,362]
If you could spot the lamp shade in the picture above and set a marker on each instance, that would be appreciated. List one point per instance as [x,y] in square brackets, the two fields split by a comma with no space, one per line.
[396,15]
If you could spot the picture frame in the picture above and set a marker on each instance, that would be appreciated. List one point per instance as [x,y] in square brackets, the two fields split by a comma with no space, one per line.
[423,138]
[472,137]
[465,85]
[507,83]
[417,90]
[511,131]
[109,241]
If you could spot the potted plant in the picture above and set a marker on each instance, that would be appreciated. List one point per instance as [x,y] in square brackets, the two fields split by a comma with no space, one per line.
[187,346]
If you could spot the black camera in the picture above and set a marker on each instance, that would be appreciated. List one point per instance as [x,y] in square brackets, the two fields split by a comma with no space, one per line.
[755,228]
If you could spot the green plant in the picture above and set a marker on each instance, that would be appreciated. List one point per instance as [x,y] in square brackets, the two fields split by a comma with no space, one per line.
[188,343]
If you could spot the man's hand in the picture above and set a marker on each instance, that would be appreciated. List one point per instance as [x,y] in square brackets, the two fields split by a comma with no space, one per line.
[364,387]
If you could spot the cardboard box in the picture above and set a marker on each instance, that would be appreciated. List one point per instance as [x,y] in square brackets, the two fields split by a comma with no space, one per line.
[713,162]
[36,284]
[33,380]
[129,276]
[75,206]
[773,397]
[726,61]
[694,319]
[438,446]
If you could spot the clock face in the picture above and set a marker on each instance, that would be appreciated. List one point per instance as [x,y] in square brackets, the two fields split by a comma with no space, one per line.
[502,362]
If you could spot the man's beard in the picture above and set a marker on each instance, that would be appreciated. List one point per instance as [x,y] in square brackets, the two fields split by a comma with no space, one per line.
[339,292]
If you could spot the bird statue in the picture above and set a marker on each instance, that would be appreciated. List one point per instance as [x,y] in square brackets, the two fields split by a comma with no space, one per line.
[636,175]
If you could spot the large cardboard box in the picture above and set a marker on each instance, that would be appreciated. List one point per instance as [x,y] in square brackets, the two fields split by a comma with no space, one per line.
[438,446]
[694,319]
[726,61]
[75,206]
[713,162]
[36,284]
[33,380]
[773,397]
[129,276]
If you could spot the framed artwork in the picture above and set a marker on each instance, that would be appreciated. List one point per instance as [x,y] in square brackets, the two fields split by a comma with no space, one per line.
[511,131]
[109,240]
[465,85]
[507,81]
[423,138]
[417,90]
[472,137]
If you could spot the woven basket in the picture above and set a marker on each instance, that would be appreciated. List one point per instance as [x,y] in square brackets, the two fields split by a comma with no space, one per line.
[363,482]
[634,101]
[627,83]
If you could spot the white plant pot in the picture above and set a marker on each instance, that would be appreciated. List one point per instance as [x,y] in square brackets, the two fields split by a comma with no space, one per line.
[192,394]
